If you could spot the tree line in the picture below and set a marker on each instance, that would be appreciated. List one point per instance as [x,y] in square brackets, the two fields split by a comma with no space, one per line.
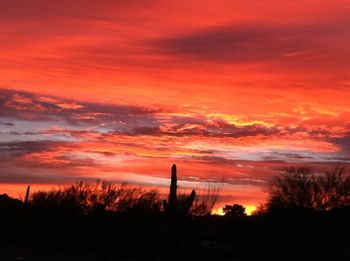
[292,188]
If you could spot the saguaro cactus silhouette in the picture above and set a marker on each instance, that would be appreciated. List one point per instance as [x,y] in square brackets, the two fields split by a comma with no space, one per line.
[26,199]
[171,206]
[173,190]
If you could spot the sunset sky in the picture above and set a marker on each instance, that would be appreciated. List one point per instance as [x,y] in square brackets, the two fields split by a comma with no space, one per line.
[119,90]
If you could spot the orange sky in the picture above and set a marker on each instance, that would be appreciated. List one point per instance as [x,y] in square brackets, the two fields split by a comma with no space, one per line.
[120,90]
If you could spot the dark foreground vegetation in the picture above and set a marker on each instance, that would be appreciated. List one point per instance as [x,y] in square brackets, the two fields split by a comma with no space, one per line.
[307,217]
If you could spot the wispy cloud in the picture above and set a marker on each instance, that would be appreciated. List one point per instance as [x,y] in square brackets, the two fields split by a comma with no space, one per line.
[91,140]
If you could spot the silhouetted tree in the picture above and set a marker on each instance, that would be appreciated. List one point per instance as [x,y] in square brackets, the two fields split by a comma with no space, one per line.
[234,210]
[302,188]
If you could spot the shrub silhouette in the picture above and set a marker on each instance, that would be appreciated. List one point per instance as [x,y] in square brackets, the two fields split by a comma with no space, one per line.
[148,202]
[206,199]
[104,196]
[8,204]
[98,197]
[302,188]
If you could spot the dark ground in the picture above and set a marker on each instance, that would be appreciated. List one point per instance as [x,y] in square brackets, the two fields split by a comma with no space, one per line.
[29,233]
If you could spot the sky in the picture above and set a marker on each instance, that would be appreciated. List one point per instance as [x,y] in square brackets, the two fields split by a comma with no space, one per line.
[230,91]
